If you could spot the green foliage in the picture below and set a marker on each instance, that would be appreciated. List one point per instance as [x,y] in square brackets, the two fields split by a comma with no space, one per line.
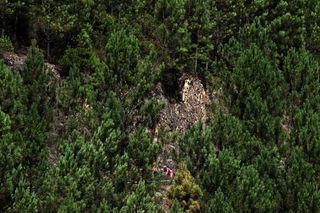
[255,88]
[253,193]
[185,190]
[75,182]
[306,132]
[139,201]
[196,146]
[131,77]
[25,200]
[12,95]
[185,33]
[150,110]
[84,58]
[38,80]
[301,72]
[296,186]
[308,197]
[122,58]
[111,141]
[220,171]
[5,45]
[219,203]
[176,207]
[127,72]
[84,140]
[142,150]
[40,94]
[10,156]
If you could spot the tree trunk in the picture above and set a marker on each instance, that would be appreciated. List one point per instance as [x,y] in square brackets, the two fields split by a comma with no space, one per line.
[2,17]
[17,14]
[2,28]
[48,45]
[47,29]
[197,53]
[196,59]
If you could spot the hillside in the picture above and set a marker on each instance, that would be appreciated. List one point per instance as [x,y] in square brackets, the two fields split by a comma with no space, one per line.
[160,106]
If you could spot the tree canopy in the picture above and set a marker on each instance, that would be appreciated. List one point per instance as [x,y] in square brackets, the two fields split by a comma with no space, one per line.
[89,139]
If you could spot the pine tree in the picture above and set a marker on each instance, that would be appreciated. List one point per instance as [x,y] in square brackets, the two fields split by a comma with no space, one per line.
[219,203]
[39,83]
[254,193]
[301,72]
[10,159]
[130,76]
[185,190]
[301,175]
[82,185]
[40,93]
[25,200]
[196,145]
[305,132]
[12,96]
[220,171]
[139,201]
[254,86]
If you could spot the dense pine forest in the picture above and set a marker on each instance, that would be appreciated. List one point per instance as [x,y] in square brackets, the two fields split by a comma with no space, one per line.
[160,106]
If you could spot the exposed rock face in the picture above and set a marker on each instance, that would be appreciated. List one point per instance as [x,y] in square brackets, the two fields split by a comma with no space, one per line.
[181,114]
[185,109]
[15,62]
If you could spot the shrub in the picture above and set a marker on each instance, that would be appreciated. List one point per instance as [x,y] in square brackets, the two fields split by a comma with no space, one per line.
[5,45]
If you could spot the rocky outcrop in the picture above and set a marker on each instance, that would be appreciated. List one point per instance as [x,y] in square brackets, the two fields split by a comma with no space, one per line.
[187,110]
[15,62]
[180,112]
